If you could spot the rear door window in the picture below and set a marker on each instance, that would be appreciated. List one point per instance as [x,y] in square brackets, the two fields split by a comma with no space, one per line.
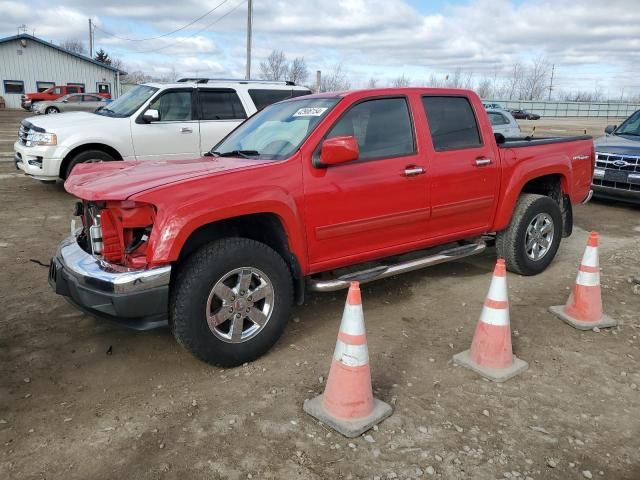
[452,123]
[220,104]
[263,97]
[381,126]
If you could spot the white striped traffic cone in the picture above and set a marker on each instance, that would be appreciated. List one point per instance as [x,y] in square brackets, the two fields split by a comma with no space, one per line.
[583,309]
[347,404]
[491,354]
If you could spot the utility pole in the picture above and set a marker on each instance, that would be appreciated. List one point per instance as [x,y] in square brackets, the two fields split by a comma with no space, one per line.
[553,67]
[249,26]
[90,39]
[318,80]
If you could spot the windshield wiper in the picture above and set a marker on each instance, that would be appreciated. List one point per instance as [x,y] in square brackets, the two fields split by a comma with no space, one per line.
[237,153]
[628,133]
[105,109]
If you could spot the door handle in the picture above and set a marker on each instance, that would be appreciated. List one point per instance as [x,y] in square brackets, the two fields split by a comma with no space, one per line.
[186,130]
[481,162]
[413,170]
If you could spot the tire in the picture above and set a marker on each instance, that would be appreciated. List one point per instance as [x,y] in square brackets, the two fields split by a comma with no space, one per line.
[51,110]
[512,245]
[192,296]
[86,157]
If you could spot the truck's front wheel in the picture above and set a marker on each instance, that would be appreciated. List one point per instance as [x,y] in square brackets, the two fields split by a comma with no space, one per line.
[532,238]
[231,301]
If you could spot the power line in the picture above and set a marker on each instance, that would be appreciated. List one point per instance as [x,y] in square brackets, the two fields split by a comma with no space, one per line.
[199,31]
[164,34]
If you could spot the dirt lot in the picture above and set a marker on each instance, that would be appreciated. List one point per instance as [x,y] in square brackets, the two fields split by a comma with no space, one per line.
[83,399]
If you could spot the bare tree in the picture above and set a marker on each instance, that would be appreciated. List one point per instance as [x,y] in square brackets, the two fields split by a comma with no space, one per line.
[459,79]
[435,81]
[514,80]
[74,46]
[372,83]
[137,77]
[485,88]
[534,82]
[401,81]
[117,63]
[275,67]
[335,81]
[298,72]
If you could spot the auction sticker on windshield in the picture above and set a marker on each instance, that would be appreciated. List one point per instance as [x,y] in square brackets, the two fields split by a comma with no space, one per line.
[310,112]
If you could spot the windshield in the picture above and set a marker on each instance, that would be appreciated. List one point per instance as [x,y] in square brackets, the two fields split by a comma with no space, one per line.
[128,103]
[631,126]
[277,131]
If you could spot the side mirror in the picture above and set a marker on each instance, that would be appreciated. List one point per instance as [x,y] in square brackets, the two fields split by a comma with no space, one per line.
[65,101]
[151,115]
[339,150]
[610,129]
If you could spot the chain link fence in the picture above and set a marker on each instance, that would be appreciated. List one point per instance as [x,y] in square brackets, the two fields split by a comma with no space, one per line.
[570,109]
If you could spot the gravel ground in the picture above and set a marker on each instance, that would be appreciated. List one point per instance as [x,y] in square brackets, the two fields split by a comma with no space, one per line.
[84,399]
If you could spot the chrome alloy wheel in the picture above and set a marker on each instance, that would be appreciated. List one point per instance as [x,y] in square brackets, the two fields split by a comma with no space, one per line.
[539,236]
[240,304]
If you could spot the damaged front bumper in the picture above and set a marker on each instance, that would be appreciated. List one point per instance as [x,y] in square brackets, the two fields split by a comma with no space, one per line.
[135,298]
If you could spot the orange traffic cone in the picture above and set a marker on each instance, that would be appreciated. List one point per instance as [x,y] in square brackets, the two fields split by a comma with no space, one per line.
[347,404]
[491,354]
[584,306]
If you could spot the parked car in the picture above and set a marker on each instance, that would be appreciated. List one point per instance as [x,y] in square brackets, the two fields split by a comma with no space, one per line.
[617,172]
[312,192]
[503,122]
[75,102]
[524,115]
[28,100]
[150,122]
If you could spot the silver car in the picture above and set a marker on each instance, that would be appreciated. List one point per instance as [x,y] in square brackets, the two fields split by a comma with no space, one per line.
[504,123]
[74,102]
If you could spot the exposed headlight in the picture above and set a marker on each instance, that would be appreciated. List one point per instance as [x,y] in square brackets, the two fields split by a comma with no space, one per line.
[41,139]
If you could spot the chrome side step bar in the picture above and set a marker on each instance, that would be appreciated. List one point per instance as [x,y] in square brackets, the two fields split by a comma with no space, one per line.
[384,271]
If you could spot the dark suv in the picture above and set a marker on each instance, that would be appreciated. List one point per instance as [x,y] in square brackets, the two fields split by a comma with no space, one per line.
[617,172]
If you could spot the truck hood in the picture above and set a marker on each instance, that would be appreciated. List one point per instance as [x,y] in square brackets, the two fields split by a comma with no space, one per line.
[70,120]
[621,145]
[121,180]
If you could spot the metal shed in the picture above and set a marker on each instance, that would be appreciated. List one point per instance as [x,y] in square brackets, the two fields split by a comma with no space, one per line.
[30,64]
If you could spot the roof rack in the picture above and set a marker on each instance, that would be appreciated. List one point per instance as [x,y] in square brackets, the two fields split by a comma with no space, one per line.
[237,80]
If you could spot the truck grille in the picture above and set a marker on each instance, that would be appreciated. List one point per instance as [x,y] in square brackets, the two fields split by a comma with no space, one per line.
[630,164]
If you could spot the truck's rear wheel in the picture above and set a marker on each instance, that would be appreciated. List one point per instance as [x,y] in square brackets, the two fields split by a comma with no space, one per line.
[231,301]
[532,238]
[88,156]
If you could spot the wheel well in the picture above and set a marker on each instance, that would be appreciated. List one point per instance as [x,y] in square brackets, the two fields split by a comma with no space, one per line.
[85,147]
[553,186]
[262,227]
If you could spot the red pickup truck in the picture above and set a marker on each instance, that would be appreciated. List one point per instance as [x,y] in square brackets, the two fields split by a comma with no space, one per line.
[53,93]
[311,193]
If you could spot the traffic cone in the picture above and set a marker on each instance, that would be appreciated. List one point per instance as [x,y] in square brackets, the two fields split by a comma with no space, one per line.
[584,306]
[347,404]
[491,354]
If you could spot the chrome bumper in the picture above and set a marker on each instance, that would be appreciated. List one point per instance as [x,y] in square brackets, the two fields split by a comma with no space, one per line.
[135,298]
[99,275]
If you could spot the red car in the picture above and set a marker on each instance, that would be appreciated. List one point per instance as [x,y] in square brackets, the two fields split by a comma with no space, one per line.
[311,193]
[53,93]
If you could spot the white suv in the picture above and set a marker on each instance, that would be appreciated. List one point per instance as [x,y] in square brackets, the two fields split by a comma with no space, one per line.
[151,121]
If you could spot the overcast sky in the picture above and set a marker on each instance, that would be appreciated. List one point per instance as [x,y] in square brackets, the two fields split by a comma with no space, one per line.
[593,43]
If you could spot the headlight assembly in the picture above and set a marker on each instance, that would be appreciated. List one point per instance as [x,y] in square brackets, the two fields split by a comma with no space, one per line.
[41,139]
